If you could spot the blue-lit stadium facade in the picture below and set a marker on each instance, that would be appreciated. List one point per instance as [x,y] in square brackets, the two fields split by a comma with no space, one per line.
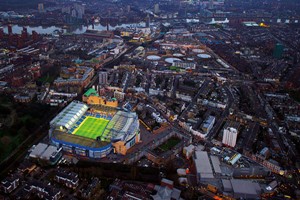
[81,150]
[123,127]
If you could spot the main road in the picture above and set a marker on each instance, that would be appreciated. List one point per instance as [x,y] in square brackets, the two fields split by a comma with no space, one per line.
[194,100]
[225,113]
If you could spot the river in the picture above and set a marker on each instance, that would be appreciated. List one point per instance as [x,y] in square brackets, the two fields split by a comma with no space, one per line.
[72,29]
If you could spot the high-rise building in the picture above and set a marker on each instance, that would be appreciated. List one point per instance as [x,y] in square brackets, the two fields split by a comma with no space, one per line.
[230,136]
[278,51]
[107,25]
[102,78]
[211,4]
[9,29]
[80,10]
[156,8]
[35,35]
[66,10]
[20,42]
[74,12]
[148,21]
[24,34]
[41,7]
[1,33]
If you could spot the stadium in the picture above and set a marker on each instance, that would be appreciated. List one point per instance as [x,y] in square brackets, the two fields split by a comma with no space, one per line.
[94,130]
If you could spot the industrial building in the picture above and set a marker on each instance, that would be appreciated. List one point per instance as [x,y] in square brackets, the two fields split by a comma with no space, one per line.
[203,166]
[243,189]
[45,153]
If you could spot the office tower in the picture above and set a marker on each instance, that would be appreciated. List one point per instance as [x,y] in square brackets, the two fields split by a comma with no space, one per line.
[156,8]
[211,4]
[9,28]
[80,10]
[278,51]
[35,35]
[24,34]
[148,21]
[41,7]
[1,33]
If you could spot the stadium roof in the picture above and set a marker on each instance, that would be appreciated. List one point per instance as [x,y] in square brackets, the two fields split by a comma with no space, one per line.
[79,141]
[69,115]
[90,92]
[121,124]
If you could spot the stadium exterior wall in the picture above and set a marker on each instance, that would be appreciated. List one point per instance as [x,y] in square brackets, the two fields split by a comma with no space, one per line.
[83,150]
[131,142]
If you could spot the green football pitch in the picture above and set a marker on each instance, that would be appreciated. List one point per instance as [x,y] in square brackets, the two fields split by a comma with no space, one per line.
[91,127]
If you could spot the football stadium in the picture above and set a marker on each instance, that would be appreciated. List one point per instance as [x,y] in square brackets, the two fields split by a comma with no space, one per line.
[94,130]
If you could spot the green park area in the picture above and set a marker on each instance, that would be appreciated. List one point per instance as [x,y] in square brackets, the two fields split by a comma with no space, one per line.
[174,68]
[47,78]
[18,122]
[169,144]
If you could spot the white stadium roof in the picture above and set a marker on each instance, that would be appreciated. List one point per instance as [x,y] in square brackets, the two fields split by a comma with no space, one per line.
[69,115]
[121,125]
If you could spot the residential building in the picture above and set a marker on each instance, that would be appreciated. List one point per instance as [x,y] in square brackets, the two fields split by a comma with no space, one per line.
[9,184]
[69,179]
[103,78]
[230,136]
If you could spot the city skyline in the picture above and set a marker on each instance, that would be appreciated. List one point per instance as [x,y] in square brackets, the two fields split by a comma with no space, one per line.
[119,99]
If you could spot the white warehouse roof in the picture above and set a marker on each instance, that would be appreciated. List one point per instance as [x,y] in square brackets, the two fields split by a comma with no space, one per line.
[203,165]
[38,150]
